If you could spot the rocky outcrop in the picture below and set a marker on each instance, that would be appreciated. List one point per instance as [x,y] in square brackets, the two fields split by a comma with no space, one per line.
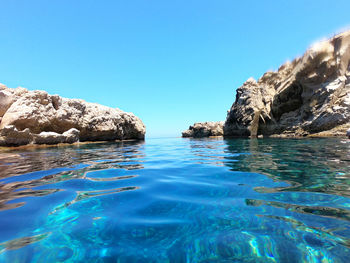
[10,136]
[70,136]
[204,129]
[37,117]
[307,96]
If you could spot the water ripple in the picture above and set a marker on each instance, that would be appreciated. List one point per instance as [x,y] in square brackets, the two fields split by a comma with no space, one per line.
[177,200]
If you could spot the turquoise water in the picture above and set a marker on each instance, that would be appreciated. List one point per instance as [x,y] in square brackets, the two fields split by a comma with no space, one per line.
[177,200]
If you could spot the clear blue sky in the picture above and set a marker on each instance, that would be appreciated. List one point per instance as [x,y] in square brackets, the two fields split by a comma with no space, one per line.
[172,63]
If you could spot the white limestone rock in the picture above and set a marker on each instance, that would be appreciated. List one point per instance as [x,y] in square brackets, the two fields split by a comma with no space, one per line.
[6,99]
[70,136]
[10,136]
[41,112]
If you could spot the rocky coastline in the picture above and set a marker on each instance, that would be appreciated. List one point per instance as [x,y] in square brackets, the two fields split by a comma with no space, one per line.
[36,117]
[309,96]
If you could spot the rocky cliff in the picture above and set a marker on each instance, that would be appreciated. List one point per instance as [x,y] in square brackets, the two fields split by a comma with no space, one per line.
[308,96]
[37,117]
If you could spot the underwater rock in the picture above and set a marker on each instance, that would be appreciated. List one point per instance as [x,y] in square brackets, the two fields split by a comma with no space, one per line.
[307,96]
[40,112]
[204,129]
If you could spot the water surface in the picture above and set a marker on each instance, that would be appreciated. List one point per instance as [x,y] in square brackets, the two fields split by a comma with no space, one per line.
[177,200]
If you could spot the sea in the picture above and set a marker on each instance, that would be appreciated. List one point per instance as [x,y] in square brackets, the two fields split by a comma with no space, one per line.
[177,200]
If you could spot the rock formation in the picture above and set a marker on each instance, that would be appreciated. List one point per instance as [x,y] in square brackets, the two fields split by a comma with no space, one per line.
[205,129]
[70,136]
[37,117]
[10,136]
[304,97]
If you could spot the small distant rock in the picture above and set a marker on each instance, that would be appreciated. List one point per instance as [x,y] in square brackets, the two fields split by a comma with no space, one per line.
[204,129]
[348,133]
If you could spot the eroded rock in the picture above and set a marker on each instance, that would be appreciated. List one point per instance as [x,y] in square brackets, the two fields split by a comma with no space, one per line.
[309,95]
[10,136]
[204,129]
[70,136]
[52,116]
[6,99]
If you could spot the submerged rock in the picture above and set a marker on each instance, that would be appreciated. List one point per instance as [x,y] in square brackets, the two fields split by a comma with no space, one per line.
[204,129]
[51,118]
[307,96]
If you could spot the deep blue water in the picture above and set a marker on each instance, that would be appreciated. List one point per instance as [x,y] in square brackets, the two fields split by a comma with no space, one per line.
[177,200]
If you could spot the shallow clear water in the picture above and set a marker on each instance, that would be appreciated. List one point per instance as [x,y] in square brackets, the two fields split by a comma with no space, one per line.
[177,200]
